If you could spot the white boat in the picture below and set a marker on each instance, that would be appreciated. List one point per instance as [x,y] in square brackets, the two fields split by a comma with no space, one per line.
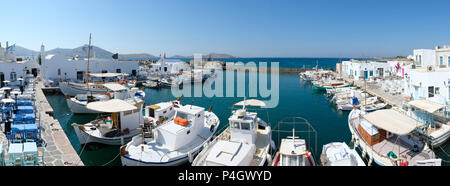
[339,154]
[293,152]
[78,103]
[150,84]
[373,107]
[246,141]
[117,127]
[354,100]
[387,138]
[174,142]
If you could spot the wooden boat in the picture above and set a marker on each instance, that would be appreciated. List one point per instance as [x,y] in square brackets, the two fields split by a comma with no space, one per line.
[387,138]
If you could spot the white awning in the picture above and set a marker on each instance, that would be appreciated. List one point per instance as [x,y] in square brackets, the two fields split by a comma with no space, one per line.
[106,75]
[426,105]
[114,86]
[392,121]
[8,100]
[252,102]
[111,106]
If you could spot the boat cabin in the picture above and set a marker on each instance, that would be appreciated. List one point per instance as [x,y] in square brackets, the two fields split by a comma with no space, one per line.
[161,111]
[122,115]
[186,127]
[243,126]
[117,91]
[293,152]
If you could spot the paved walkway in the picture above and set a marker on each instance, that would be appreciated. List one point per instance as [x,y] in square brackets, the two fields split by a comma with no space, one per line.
[59,150]
[376,90]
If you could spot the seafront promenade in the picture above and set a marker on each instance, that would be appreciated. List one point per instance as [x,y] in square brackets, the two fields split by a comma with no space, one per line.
[375,89]
[59,151]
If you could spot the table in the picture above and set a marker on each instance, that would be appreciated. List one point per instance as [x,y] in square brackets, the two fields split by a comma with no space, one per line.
[30,148]
[15,149]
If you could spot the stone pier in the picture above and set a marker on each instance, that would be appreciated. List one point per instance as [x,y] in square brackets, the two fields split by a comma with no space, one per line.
[59,150]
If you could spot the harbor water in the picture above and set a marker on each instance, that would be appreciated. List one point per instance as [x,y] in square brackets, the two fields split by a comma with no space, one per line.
[296,98]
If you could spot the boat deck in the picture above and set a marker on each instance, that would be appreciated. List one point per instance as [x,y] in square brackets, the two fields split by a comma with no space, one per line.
[261,144]
[401,149]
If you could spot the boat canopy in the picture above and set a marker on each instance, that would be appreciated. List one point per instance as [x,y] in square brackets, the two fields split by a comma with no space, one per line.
[426,105]
[251,102]
[392,121]
[111,106]
[115,86]
[106,75]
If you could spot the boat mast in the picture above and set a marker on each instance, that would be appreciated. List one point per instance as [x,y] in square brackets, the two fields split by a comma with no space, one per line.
[87,69]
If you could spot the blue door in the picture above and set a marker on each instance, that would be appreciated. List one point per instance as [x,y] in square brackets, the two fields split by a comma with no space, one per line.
[366,75]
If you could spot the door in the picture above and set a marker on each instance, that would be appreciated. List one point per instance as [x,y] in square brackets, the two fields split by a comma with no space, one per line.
[2,78]
[34,72]
[366,74]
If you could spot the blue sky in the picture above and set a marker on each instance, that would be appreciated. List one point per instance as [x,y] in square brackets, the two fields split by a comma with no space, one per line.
[246,28]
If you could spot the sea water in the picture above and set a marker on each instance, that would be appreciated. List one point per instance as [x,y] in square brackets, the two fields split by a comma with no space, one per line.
[296,99]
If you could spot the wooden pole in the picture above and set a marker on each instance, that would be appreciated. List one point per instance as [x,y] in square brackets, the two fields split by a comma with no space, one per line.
[87,69]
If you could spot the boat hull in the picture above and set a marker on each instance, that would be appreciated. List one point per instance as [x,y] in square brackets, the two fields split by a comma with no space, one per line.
[79,107]
[85,138]
[72,90]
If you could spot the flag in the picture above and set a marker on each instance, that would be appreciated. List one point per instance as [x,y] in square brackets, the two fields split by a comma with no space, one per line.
[164,55]
[397,67]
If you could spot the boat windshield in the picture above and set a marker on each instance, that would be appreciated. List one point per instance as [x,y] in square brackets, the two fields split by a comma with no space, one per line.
[185,116]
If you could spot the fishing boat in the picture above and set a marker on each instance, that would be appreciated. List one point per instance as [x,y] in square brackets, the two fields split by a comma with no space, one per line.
[354,101]
[169,82]
[245,142]
[73,88]
[78,103]
[293,152]
[174,142]
[387,137]
[373,107]
[150,84]
[339,154]
[330,85]
[116,127]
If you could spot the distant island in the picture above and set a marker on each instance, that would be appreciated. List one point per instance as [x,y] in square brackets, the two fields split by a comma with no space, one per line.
[210,55]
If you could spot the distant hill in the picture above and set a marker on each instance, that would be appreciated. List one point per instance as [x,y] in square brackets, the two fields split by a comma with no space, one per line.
[23,52]
[82,51]
[136,56]
[213,55]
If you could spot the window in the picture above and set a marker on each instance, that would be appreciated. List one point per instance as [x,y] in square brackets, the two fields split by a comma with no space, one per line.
[436,91]
[118,71]
[104,71]
[448,61]
[430,91]
[441,60]
[245,126]
[80,75]
[235,125]
[59,71]
[371,73]
[13,76]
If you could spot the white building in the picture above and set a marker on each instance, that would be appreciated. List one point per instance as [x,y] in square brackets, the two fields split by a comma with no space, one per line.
[74,69]
[170,66]
[429,78]
[13,68]
[359,70]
